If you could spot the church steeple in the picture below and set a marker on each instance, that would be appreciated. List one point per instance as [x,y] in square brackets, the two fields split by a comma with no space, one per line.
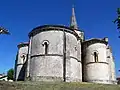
[73,23]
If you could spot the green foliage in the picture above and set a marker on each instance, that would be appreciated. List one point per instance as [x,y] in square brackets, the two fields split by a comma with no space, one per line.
[10,74]
[118,11]
[117,21]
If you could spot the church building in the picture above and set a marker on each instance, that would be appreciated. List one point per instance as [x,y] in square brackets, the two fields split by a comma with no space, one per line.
[61,53]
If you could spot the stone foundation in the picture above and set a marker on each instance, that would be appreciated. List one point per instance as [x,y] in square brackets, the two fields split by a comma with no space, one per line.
[102,81]
[46,78]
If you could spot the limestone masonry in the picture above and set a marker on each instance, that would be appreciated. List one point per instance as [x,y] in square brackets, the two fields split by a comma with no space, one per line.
[61,53]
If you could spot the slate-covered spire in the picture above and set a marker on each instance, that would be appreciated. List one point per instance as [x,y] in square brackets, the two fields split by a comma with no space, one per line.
[73,23]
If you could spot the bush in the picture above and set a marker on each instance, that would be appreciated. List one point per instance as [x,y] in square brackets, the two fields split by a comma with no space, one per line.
[10,74]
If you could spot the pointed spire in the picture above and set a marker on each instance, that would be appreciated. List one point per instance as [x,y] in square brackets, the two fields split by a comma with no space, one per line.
[73,23]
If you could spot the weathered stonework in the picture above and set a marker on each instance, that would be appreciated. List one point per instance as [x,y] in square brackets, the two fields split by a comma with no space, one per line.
[95,71]
[59,53]
[63,58]
[110,59]
[21,61]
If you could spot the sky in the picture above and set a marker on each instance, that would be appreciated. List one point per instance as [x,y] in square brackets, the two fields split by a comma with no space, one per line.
[94,17]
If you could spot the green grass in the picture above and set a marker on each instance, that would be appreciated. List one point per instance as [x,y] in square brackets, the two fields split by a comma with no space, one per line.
[55,86]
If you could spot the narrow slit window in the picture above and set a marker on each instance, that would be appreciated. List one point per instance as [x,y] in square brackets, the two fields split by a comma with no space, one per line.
[46,47]
[45,44]
[95,57]
[23,58]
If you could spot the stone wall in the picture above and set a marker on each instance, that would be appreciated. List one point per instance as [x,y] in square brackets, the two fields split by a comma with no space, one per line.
[110,59]
[47,66]
[61,62]
[95,71]
[21,62]
[73,58]
[54,54]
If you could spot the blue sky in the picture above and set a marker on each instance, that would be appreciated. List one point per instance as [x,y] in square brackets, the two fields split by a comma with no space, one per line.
[94,17]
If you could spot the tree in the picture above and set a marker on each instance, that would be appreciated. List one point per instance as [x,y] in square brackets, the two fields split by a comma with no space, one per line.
[10,74]
[117,21]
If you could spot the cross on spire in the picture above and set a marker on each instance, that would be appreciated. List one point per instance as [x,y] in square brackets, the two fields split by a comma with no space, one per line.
[73,23]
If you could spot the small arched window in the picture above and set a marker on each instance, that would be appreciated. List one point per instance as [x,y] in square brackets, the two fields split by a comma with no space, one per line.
[45,44]
[95,56]
[23,57]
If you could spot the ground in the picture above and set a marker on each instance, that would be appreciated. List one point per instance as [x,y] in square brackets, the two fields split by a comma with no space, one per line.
[55,86]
